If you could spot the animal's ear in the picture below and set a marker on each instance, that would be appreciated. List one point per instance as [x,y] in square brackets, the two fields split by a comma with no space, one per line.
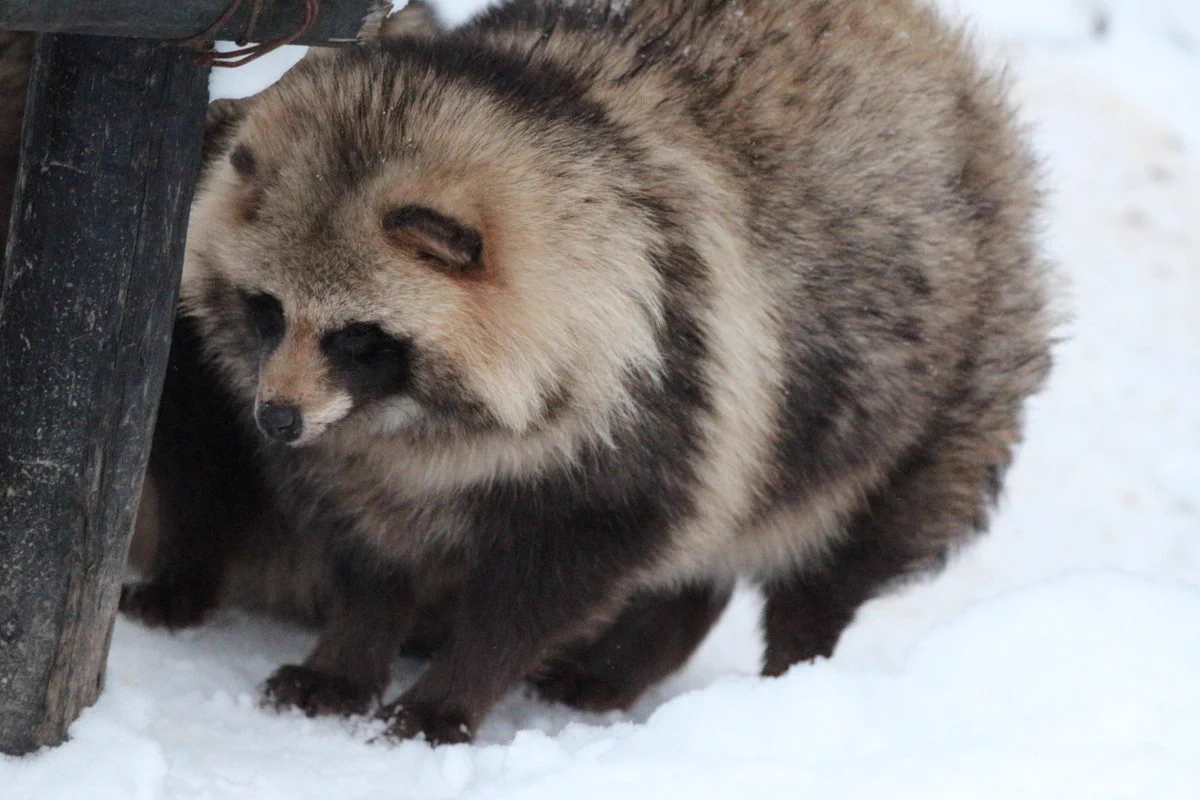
[440,241]
[220,126]
[415,20]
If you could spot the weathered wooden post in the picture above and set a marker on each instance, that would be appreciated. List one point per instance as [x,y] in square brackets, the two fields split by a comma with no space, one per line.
[110,152]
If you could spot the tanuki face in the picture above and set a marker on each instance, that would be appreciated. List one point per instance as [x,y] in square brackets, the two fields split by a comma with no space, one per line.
[417,261]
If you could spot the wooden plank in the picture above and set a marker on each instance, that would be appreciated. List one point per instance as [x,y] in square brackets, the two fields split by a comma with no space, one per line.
[337,20]
[16,53]
[111,149]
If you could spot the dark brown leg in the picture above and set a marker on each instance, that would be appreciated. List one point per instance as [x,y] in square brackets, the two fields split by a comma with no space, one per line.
[935,500]
[805,615]
[491,647]
[211,497]
[654,636]
[367,616]
[533,589]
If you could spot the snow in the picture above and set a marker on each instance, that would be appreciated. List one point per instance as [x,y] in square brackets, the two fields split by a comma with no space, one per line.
[1086,684]
[1058,657]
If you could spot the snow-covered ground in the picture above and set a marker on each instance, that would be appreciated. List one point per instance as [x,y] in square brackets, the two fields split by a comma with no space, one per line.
[1058,658]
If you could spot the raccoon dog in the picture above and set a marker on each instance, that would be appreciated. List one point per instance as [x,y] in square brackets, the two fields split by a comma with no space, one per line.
[600,307]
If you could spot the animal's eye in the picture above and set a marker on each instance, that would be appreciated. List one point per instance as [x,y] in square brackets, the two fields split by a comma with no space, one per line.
[371,361]
[266,315]
[362,342]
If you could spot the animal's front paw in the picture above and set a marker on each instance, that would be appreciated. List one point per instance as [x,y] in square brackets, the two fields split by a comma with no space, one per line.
[160,605]
[316,693]
[438,725]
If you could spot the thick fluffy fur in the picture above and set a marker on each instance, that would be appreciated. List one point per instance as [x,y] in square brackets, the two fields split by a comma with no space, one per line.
[599,307]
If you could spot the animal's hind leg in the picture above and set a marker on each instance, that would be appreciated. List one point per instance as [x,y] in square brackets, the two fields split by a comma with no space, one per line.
[654,635]
[935,499]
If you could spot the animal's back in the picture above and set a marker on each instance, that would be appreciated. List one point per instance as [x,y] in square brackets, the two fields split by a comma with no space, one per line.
[865,203]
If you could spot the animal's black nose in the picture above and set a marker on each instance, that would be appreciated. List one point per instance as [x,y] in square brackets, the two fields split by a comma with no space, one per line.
[280,422]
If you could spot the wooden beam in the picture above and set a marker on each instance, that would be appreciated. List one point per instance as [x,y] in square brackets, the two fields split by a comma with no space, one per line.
[16,53]
[111,150]
[337,20]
